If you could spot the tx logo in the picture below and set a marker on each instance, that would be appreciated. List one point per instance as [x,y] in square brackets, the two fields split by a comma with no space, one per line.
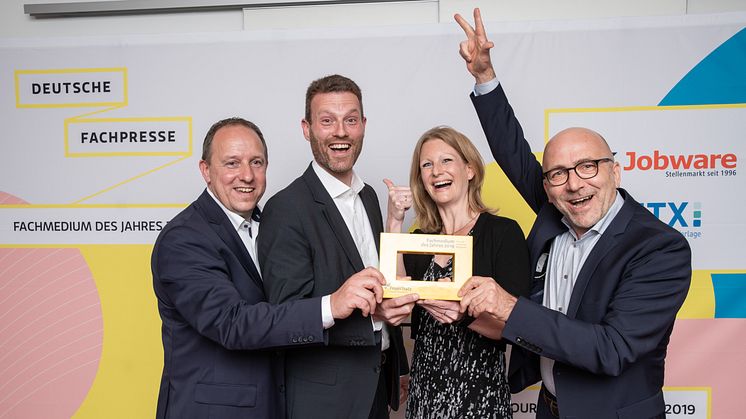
[676,214]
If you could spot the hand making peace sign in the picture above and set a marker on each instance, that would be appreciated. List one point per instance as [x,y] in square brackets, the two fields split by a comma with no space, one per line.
[475,50]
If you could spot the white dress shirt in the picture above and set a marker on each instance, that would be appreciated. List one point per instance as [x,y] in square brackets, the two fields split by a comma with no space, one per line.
[247,230]
[350,206]
[566,258]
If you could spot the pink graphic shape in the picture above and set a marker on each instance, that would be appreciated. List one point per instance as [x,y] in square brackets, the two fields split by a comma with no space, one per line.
[51,330]
[710,353]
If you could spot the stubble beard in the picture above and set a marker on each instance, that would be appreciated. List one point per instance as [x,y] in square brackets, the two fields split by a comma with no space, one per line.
[324,159]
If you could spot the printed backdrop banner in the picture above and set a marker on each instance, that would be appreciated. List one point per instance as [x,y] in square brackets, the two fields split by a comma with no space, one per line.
[102,136]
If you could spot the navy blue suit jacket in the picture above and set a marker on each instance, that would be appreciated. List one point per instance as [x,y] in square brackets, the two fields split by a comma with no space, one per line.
[217,326]
[611,346]
[306,251]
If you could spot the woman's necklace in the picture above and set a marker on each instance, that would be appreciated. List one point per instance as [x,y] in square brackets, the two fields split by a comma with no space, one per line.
[458,230]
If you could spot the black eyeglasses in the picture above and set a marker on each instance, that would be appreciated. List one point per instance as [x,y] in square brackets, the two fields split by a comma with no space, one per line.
[585,170]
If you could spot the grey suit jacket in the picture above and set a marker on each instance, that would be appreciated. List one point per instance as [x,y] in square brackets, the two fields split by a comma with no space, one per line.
[306,251]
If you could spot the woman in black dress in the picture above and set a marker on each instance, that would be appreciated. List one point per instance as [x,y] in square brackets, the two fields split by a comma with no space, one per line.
[458,365]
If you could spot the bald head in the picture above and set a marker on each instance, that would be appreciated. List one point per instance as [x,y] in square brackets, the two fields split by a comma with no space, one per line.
[583,142]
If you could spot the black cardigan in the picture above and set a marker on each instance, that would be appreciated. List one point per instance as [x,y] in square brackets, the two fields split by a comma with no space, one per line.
[499,252]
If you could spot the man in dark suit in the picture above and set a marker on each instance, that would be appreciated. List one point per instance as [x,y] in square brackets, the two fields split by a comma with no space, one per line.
[217,325]
[323,228]
[610,277]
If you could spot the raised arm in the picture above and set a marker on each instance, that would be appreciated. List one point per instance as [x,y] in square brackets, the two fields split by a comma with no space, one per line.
[503,131]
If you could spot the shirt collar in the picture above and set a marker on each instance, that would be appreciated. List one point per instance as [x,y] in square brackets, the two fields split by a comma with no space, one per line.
[604,222]
[334,186]
[236,219]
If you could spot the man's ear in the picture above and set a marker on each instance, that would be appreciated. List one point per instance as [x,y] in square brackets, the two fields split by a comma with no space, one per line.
[546,191]
[204,168]
[617,174]
[306,126]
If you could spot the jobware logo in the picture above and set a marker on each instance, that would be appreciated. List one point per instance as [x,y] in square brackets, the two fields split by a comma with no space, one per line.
[715,164]
[685,216]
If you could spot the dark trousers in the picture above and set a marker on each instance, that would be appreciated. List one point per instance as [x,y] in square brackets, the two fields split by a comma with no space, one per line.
[542,408]
[380,408]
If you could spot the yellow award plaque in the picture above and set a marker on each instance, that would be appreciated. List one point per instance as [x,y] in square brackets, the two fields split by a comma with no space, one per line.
[394,244]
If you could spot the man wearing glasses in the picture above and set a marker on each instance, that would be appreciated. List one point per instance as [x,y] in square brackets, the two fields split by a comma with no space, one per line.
[609,276]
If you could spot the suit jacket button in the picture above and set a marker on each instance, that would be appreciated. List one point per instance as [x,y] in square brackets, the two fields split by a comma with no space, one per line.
[294,340]
[310,338]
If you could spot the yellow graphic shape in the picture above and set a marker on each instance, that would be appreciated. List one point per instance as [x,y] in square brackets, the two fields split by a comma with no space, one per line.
[103,191]
[80,120]
[700,302]
[127,382]
[498,193]
[120,72]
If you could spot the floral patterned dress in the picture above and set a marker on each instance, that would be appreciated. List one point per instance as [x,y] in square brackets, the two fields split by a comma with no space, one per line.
[456,372]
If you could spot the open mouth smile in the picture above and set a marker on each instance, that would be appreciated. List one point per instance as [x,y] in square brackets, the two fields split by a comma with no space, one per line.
[580,201]
[340,146]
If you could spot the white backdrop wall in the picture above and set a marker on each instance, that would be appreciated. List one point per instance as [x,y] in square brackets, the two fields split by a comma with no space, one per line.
[78,322]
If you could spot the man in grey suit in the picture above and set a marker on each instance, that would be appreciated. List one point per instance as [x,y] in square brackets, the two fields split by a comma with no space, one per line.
[217,324]
[320,230]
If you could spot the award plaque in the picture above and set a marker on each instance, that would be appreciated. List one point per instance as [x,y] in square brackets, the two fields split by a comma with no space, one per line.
[394,244]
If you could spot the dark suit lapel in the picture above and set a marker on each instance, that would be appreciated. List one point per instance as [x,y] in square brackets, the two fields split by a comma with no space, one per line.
[370,202]
[221,224]
[333,217]
[608,241]
[547,227]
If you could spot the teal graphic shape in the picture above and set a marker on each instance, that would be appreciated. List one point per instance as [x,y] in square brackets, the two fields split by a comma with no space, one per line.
[730,295]
[720,78]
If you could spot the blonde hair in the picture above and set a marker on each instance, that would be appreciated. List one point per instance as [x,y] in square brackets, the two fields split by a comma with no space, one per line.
[426,211]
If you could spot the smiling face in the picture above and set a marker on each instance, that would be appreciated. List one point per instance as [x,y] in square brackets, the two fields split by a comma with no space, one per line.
[582,201]
[236,172]
[336,132]
[444,173]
